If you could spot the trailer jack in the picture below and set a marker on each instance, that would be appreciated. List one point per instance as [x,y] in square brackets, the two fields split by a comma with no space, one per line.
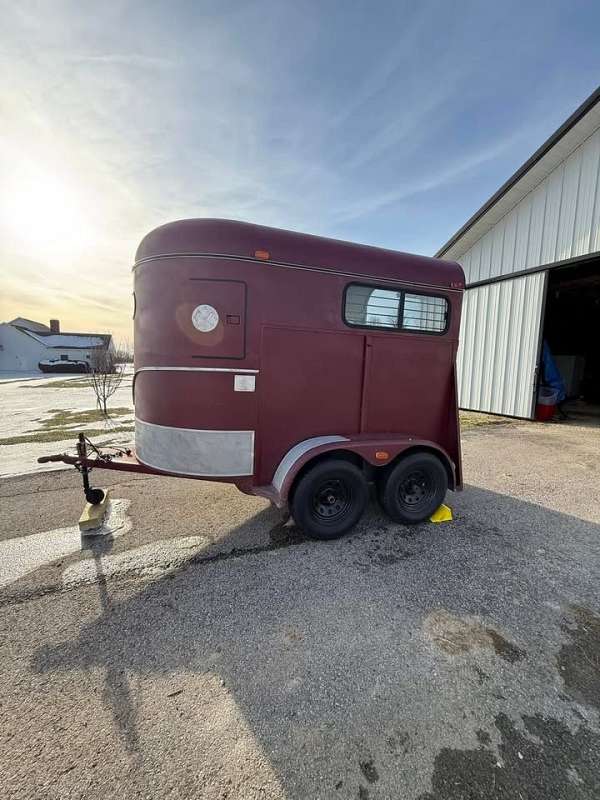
[93,496]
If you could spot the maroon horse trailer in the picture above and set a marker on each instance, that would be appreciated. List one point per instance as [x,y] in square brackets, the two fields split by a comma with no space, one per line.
[298,368]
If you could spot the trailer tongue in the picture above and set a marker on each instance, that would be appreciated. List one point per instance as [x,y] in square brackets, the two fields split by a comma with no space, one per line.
[119,459]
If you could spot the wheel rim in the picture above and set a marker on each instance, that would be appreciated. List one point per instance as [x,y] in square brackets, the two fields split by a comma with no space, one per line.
[415,490]
[332,500]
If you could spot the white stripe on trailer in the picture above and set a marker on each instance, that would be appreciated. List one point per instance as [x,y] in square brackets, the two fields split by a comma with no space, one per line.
[194,452]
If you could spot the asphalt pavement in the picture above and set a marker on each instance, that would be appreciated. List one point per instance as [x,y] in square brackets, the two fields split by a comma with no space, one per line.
[205,649]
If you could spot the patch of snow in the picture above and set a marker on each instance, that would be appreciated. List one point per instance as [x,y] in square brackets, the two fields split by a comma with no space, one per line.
[7,375]
[26,403]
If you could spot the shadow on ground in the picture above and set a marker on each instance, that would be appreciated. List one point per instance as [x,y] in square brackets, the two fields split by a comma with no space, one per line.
[441,662]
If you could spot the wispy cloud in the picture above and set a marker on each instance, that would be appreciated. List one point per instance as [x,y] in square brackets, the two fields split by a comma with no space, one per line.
[427,183]
[331,118]
[123,60]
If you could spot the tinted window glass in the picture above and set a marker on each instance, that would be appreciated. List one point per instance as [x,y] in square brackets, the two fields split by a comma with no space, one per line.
[372,307]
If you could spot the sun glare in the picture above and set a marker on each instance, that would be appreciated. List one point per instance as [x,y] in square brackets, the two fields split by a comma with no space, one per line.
[44,214]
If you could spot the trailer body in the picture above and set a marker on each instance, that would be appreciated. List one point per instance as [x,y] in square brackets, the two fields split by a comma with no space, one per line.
[258,352]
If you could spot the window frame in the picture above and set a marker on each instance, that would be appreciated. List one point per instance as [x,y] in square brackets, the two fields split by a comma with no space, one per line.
[403,290]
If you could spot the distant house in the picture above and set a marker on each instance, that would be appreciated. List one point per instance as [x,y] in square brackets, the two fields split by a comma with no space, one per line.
[24,343]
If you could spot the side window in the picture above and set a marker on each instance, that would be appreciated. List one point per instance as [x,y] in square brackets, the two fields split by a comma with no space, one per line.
[424,313]
[375,307]
[371,307]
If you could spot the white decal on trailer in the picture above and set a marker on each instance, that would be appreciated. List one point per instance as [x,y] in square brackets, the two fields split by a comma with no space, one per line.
[244,383]
[205,318]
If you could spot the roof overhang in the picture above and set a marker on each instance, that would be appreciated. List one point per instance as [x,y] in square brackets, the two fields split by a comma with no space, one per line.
[572,133]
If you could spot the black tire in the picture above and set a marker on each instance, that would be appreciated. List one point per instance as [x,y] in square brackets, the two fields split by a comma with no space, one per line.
[329,499]
[414,488]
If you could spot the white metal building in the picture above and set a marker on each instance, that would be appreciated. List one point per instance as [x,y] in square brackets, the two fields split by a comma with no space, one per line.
[531,257]
[24,343]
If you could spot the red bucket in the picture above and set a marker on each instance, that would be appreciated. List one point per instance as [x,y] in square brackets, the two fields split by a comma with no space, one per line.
[546,404]
[544,413]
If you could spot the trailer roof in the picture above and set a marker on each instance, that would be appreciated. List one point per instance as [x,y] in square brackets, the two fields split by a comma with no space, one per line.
[221,237]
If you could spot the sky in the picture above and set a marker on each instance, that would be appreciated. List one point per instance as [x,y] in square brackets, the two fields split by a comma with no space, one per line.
[387,123]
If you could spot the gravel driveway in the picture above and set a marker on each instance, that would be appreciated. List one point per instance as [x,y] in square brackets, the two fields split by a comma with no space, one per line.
[208,651]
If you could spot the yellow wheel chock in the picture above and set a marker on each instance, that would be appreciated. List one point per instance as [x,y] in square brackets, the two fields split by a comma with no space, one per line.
[443,514]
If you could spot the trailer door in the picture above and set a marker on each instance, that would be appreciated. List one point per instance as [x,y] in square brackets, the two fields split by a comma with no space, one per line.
[500,343]
[181,318]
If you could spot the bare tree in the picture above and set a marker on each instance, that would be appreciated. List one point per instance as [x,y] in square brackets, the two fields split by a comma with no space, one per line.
[124,352]
[105,375]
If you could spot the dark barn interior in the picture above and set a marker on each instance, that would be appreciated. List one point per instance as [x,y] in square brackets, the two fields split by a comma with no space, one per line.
[572,331]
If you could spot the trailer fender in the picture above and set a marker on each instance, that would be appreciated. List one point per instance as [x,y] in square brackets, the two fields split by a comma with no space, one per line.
[367,450]
[300,453]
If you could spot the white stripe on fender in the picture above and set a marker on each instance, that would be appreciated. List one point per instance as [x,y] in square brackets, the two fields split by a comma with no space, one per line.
[297,451]
[189,451]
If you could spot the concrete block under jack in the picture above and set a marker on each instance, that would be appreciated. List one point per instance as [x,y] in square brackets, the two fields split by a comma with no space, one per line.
[92,517]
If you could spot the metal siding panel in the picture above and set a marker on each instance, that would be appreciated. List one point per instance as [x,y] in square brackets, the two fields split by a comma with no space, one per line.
[499,341]
[461,353]
[497,249]
[478,355]
[516,324]
[486,257]
[510,239]
[595,230]
[499,375]
[588,182]
[523,378]
[490,348]
[465,263]
[553,200]
[529,352]
[568,206]
[536,226]
[466,347]
[476,261]
[484,343]
[469,339]
[523,223]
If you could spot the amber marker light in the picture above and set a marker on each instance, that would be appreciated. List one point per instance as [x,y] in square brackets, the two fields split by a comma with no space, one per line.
[263,255]
[381,455]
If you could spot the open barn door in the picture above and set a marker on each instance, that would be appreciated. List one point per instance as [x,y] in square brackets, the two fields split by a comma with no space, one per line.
[500,345]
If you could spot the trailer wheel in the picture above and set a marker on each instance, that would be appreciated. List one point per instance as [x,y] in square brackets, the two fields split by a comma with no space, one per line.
[329,499]
[412,490]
